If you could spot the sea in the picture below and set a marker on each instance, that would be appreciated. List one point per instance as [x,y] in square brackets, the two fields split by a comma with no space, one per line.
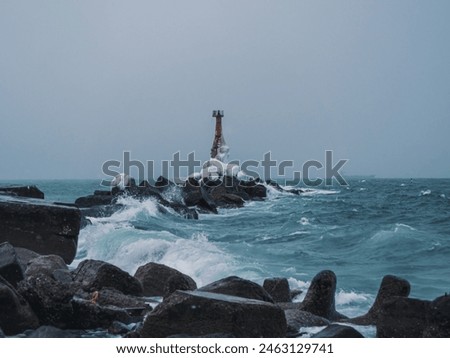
[363,231]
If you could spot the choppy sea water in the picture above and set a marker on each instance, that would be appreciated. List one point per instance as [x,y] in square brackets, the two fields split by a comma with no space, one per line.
[368,229]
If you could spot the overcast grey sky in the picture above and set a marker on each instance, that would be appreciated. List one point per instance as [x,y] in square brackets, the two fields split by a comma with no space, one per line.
[82,81]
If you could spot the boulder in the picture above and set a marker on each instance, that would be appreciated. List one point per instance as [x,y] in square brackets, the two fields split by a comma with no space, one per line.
[46,228]
[10,268]
[88,315]
[278,289]
[296,319]
[94,200]
[161,280]
[2,335]
[439,318]
[113,297]
[45,265]
[49,299]
[391,286]
[16,314]
[320,297]
[29,191]
[402,317]
[24,256]
[338,331]
[236,286]
[198,313]
[93,275]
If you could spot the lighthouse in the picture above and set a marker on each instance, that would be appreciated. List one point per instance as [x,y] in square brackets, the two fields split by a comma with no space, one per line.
[219,149]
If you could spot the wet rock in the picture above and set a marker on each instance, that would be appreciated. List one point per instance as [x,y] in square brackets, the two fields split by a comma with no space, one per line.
[438,318]
[391,286]
[93,275]
[402,317]
[295,293]
[278,289]
[161,280]
[118,328]
[29,191]
[94,200]
[2,335]
[10,268]
[297,319]
[198,313]
[236,286]
[338,331]
[88,315]
[113,297]
[53,332]
[24,256]
[16,314]
[49,299]
[320,299]
[254,189]
[45,265]
[46,228]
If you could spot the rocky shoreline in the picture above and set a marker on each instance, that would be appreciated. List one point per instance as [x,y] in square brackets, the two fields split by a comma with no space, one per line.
[41,296]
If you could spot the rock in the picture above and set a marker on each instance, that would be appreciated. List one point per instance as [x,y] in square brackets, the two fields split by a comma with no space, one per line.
[338,331]
[45,265]
[24,256]
[2,335]
[93,275]
[254,189]
[161,280]
[438,318]
[16,314]
[118,328]
[22,191]
[297,319]
[10,268]
[236,286]
[113,297]
[295,293]
[49,299]
[402,317]
[198,313]
[88,315]
[391,286]
[320,299]
[94,200]
[53,332]
[278,289]
[46,228]
[163,183]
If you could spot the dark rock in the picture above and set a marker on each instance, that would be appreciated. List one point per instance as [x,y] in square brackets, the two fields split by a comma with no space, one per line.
[224,199]
[212,335]
[88,315]
[254,189]
[10,268]
[45,228]
[297,319]
[24,256]
[2,335]
[402,317]
[49,299]
[45,265]
[199,313]
[320,299]
[113,297]
[163,183]
[94,200]
[53,332]
[338,331]
[391,286]
[439,318]
[15,313]
[236,286]
[63,276]
[93,275]
[103,192]
[160,280]
[100,211]
[22,191]
[278,289]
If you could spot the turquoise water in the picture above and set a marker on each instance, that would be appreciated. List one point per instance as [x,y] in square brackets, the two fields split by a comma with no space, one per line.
[362,232]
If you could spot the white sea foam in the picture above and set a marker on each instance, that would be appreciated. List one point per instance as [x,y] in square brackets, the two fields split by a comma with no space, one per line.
[425,192]
[304,221]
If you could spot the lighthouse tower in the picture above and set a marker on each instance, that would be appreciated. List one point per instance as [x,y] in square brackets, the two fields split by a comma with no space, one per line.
[219,149]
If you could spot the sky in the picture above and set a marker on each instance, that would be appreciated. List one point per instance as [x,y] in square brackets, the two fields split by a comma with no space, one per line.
[83,81]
